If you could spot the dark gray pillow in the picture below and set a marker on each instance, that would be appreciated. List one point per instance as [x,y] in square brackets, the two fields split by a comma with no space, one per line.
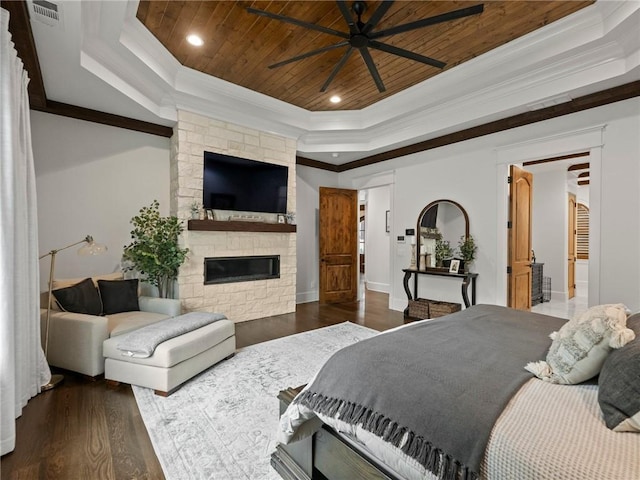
[119,295]
[79,298]
[619,384]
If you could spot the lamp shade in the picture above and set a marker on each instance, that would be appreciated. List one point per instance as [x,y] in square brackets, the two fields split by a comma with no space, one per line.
[91,247]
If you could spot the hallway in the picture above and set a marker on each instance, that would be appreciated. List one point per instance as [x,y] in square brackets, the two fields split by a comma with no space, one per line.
[564,309]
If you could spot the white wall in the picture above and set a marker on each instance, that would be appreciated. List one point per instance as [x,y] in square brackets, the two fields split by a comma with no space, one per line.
[620,211]
[549,228]
[91,179]
[471,174]
[377,239]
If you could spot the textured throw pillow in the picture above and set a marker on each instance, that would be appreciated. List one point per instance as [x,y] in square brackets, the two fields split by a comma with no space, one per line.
[79,298]
[581,346]
[619,384]
[119,295]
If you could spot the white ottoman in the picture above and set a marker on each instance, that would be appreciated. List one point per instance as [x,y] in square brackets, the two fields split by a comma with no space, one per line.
[173,362]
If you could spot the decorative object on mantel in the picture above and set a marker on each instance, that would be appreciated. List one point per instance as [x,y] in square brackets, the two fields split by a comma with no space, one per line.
[247,218]
[195,210]
[155,252]
[467,248]
[291,218]
[91,248]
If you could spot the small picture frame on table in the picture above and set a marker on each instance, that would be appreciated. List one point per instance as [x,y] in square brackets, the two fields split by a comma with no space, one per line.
[454,266]
[210,214]
[281,218]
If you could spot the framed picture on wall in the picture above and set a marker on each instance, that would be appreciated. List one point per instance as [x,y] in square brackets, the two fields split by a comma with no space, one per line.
[387,222]
[455,266]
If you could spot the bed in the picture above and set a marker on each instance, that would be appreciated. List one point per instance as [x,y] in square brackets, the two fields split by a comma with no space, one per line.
[342,425]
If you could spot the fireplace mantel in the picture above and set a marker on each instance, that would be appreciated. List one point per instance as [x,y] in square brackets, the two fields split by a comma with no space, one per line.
[239,226]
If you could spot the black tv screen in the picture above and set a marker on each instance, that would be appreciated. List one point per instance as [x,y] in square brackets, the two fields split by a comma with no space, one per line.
[239,184]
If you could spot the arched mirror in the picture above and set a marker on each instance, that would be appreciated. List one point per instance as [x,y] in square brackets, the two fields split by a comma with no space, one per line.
[440,223]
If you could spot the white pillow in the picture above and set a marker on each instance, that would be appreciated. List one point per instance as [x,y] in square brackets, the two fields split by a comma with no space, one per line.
[581,346]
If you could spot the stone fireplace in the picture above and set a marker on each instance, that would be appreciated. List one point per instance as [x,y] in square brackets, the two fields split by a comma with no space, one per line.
[242,298]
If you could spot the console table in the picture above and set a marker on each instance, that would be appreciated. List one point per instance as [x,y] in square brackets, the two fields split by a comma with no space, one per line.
[467,278]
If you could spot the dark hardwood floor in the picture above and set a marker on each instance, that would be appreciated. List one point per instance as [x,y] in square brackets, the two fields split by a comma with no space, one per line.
[86,430]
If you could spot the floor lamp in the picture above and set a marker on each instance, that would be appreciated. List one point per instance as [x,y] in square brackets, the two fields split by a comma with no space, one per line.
[89,248]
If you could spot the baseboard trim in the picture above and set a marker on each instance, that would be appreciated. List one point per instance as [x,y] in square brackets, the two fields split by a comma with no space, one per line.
[378,287]
[307,297]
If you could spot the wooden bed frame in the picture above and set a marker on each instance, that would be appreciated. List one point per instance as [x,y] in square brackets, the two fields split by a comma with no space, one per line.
[324,456]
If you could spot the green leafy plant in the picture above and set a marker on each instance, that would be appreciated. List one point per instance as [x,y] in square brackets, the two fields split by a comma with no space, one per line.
[467,248]
[195,209]
[154,251]
[443,250]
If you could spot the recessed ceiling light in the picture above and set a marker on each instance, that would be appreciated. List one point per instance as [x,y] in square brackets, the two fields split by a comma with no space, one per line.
[335,155]
[335,99]
[195,40]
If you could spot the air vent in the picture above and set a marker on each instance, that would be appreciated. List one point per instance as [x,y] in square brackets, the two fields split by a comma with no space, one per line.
[46,12]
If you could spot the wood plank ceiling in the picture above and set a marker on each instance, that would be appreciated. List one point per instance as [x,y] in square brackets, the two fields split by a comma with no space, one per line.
[239,46]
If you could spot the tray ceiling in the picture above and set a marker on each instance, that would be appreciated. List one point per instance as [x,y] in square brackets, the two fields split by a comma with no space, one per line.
[239,46]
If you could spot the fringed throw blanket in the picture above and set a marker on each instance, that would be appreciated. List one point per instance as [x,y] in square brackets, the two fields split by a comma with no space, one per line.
[434,389]
[141,343]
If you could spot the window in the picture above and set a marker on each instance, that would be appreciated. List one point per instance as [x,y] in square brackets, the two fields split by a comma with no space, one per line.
[582,236]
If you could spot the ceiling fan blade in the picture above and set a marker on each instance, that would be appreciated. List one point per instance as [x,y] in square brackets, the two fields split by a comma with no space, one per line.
[344,9]
[366,56]
[401,52]
[337,68]
[309,54]
[425,22]
[299,23]
[377,16]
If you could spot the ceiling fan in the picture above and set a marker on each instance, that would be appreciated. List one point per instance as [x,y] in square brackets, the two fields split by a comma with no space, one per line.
[362,36]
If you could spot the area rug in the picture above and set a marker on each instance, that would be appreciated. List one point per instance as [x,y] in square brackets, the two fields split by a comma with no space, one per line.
[222,424]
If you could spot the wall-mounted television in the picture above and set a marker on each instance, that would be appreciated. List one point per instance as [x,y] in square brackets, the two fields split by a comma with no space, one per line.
[243,185]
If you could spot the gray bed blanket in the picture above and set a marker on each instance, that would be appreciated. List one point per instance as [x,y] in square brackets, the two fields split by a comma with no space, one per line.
[435,388]
[141,343]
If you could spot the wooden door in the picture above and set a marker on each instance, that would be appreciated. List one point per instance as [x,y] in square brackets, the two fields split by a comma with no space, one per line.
[571,257]
[520,209]
[338,240]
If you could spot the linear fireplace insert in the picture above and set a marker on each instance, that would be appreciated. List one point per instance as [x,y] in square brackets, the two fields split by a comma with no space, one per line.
[241,269]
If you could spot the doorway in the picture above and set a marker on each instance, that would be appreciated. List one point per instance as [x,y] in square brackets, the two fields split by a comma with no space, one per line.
[374,237]
[560,184]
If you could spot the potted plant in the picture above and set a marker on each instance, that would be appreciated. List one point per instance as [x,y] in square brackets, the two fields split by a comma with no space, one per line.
[195,210]
[467,248]
[155,252]
[443,251]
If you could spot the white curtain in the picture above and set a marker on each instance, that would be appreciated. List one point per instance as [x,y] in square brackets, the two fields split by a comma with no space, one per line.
[23,368]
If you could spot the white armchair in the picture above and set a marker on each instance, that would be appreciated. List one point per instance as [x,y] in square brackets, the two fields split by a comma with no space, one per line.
[75,339]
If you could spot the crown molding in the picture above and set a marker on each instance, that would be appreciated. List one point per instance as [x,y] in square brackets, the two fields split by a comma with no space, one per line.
[578,51]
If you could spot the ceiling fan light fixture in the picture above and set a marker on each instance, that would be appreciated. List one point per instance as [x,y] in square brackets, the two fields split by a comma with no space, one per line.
[195,40]
[364,36]
[335,99]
